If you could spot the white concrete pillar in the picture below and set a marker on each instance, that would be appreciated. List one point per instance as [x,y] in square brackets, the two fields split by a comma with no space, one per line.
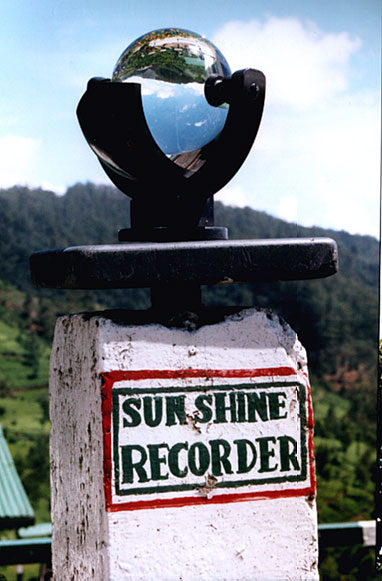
[181,454]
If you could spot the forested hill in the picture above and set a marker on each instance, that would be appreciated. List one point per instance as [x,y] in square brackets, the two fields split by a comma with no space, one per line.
[90,214]
[336,318]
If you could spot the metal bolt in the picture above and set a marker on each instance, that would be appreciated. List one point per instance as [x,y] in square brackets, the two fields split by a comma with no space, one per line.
[254,91]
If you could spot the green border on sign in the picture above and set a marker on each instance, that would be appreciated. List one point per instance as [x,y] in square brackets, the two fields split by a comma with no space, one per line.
[117,391]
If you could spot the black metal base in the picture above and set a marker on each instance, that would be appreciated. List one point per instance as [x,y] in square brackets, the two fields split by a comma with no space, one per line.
[187,263]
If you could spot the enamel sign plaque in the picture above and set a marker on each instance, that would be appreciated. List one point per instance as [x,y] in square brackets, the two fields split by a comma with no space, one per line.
[173,438]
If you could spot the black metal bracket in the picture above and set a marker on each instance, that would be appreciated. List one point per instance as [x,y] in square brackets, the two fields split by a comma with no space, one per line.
[174,194]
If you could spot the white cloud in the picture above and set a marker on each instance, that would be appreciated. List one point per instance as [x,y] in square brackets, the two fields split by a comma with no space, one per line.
[57,189]
[234,195]
[17,158]
[303,65]
[316,157]
[161,89]
[288,208]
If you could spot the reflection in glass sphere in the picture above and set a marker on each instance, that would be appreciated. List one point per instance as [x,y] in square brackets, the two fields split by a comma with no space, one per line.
[172,65]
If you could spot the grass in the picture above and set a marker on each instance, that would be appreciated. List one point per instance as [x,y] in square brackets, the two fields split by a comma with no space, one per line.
[8,340]
[24,357]
[19,375]
[22,413]
[16,372]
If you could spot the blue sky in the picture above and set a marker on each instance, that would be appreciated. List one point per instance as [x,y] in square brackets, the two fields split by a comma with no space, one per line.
[316,159]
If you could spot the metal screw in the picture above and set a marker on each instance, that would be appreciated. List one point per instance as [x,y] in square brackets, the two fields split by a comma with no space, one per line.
[254,91]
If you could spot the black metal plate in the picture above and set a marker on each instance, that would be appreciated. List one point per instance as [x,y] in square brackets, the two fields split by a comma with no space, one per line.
[207,262]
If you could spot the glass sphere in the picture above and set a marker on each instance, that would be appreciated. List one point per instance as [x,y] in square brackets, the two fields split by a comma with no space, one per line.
[172,66]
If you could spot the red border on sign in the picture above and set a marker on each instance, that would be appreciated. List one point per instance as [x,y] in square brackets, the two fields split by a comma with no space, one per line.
[109,378]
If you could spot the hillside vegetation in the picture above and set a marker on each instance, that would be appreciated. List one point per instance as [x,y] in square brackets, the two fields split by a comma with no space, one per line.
[335,318]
